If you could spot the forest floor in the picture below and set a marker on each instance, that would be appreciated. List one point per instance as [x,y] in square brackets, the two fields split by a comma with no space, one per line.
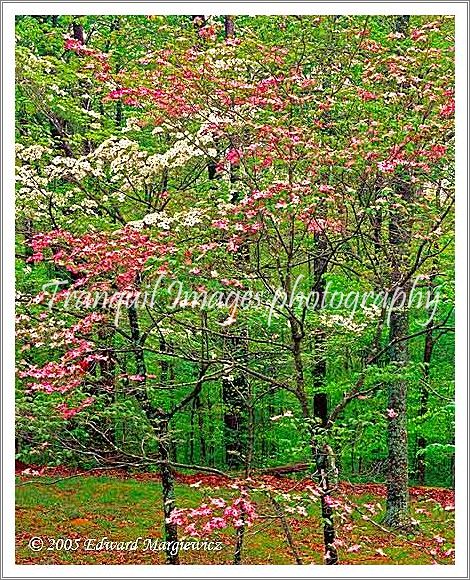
[122,507]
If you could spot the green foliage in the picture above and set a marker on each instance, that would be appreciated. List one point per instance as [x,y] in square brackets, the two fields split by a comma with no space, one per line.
[62,107]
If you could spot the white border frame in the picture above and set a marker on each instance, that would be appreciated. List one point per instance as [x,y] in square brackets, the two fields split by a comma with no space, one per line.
[12,570]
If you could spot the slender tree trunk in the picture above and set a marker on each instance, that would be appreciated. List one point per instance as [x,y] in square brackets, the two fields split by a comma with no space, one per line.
[58,132]
[235,391]
[78,32]
[329,534]
[250,436]
[324,462]
[397,514]
[285,526]
[210,446]
[200,422]
[138,350]
[118,117]
[323,454]
[168,490]
[423,405]
[229,25]
[159,421]
[237,558]
[191,432]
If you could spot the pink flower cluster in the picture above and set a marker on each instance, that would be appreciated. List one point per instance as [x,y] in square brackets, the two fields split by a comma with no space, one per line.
[119,255]
[220,224]
[436,152]
[387,166]
[172,102]
[77,46]
[68,372]
[448,109]
[103,68]
[233,156]
[366,95]
[234,243]
[208,32]
[418,35]
[67,412]
[215,515]
[318,225]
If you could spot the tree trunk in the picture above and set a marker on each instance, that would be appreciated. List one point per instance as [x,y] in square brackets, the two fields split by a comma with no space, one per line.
[229,25]
[138,350]
[423,406]
[234,419]
[198,21]
[397,514]
[192,433]
[323,457]
[58,132]
[237,557]
[235,391]
[168,491]
[402,23]
[200,422]
[78,32]
[320,410]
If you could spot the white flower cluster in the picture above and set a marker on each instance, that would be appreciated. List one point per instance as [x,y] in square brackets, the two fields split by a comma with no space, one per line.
[58,90]
[33,194]
[132,124]
[30,63]
[332,320]
[221,58]
[38,193]
[372,312]
[91,113]
[183,150]
[164,221]
[69,169]
[190,218]
[118,167]
[31,153]
[160,219]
